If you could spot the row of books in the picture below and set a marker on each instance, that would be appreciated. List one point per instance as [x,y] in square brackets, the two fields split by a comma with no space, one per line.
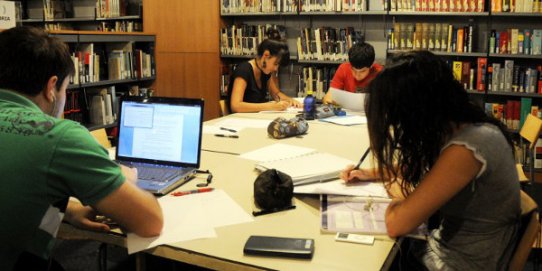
[327,43]
[513,112]
[123,62]
[120,26]
[529,6]
[87,65]
[129,65]
[438,5]
[316,80]
[465,73]
[243,39]
[508,77]
[515,41]
[57,9]
[243,6]
[432,36]
[503,77]
[103,106]
[341,5]
[109,26]
[111,8]
[72,108]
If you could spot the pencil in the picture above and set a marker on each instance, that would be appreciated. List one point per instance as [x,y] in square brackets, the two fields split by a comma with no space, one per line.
[363,158]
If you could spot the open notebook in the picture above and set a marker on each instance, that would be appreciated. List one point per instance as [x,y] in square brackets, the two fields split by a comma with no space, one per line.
[308,168]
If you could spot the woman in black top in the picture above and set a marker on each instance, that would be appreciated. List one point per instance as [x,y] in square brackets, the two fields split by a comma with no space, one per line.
[252,80]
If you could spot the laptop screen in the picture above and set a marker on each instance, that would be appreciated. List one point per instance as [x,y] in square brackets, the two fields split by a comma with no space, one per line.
[160,130]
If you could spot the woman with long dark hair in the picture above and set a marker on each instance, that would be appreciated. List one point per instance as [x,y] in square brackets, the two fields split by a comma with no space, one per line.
[252,82]
[448,156]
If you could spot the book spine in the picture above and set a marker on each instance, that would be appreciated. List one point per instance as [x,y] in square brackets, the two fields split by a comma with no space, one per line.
[480,78]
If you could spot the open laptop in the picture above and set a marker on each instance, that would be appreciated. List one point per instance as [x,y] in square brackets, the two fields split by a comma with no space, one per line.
[161,137]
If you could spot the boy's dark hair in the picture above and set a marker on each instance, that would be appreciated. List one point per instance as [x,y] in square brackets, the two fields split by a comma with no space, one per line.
[29,57]
[361,55]
[276,48]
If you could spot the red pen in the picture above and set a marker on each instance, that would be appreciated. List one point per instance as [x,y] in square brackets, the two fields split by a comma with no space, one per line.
[199,190]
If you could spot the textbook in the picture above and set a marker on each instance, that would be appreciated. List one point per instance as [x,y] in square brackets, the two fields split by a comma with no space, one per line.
[365,215]
[353,214]
[308,168]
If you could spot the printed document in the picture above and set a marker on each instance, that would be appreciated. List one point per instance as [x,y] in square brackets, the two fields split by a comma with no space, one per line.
[348,100]
[193,216]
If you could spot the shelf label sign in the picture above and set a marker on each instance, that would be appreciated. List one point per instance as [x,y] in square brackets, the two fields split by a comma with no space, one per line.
[7,14]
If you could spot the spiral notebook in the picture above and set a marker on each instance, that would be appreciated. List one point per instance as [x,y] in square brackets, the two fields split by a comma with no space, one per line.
[308,168]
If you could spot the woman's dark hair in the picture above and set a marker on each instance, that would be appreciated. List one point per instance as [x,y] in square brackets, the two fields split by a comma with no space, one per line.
[412,108]
[29,57]
[276,48]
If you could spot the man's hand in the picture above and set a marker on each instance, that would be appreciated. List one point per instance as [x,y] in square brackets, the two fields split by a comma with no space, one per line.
[83,217]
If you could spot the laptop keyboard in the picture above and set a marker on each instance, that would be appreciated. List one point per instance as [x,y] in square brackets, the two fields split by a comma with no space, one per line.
[157,174]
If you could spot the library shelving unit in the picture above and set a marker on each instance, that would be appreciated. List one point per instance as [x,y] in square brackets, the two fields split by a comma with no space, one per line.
[300,21]
[112,55]
[515,60]
[108,65]
[90,15]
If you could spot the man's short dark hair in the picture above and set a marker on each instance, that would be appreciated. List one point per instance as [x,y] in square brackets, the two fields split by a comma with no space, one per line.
[29,57]
[361,55]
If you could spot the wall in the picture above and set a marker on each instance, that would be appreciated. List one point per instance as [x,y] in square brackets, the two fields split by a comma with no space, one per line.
[187,51]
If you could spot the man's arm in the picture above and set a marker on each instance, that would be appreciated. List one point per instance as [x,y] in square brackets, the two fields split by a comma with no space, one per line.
[133,208]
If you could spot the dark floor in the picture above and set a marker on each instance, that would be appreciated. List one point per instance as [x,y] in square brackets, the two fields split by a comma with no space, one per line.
[85,256]
[93,256]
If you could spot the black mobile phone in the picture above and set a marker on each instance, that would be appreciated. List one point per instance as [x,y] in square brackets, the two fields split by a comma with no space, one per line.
[279,246]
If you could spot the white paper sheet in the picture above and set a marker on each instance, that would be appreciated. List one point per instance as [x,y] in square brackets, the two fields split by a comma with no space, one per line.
[346,120]
[348,100]
[191,217]
[291,109]
[338,187]
[240,123]
[276,151]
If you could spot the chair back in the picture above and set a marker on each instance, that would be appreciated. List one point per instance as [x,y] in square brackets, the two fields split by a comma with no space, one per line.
[101,136]
[528,232]
[223,108]
[531,129]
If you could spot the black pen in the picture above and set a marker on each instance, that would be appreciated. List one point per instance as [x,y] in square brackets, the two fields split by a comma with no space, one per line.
[228,129]
[230,136]
[363,158]
[265,212]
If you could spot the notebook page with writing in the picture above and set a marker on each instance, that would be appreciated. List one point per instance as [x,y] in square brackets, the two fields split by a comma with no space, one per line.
[309,168]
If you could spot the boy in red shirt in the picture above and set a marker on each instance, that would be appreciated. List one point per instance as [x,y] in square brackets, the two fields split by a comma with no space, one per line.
[356,74]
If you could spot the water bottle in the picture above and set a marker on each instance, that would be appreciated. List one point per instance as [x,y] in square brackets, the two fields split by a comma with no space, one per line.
[309,106]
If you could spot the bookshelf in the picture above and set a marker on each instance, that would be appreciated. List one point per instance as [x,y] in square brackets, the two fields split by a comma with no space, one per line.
[108,66]
[379,27]
[92,15]
[382,28]
[296,17]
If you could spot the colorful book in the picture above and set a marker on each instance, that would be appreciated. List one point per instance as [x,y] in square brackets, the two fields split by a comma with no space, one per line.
[481,74]
[457,69]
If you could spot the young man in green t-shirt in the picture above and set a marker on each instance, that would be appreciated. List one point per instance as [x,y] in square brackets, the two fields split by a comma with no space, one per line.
[46,160]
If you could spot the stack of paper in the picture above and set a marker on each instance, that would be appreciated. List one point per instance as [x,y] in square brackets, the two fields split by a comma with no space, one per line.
[308,168]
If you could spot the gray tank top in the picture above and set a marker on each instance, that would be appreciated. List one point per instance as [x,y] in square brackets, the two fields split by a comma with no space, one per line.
[479,224]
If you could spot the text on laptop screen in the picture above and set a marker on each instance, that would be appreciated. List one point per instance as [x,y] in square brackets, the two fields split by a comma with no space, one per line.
[157,131]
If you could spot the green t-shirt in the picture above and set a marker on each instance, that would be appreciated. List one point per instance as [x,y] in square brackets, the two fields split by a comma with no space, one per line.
[44,161]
